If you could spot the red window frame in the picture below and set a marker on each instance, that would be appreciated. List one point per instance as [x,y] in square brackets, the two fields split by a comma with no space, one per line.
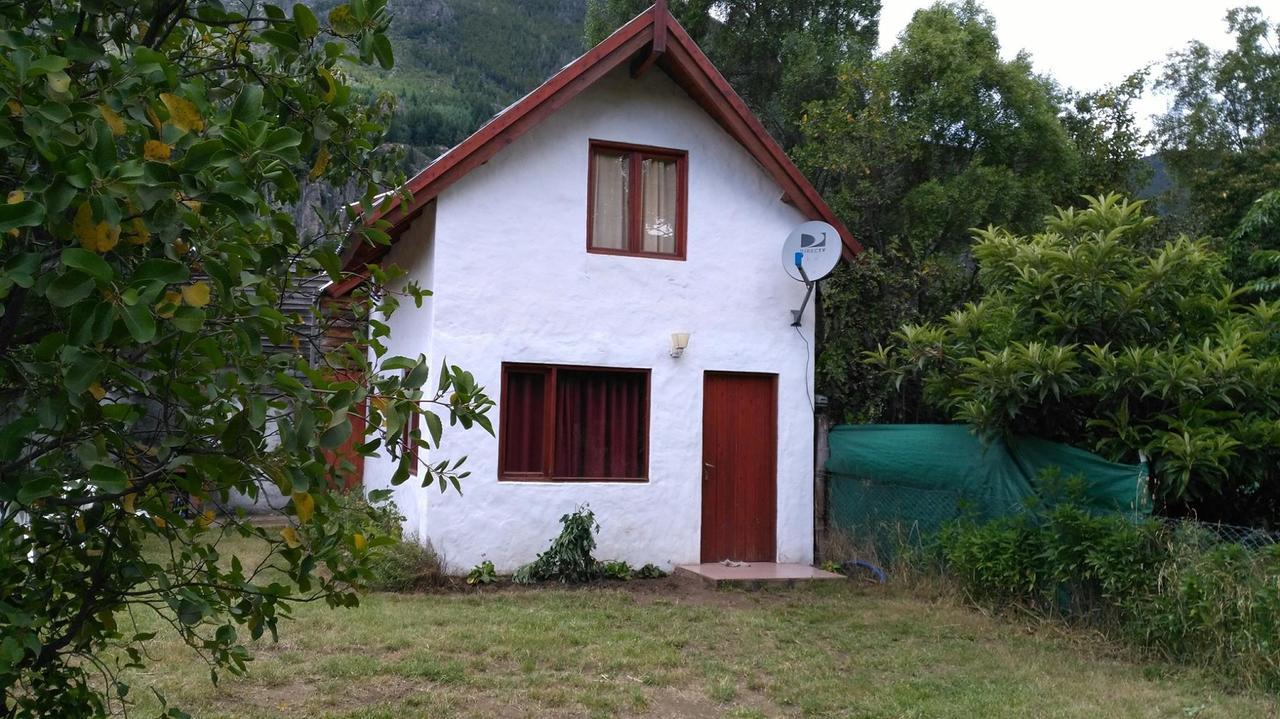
[549,372]
[635,207]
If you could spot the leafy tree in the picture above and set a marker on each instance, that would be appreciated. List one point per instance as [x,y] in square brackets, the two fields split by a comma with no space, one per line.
[778,55]
[1091,333]
[1220,137]
[920,144]
[1107,137]
[150,369]
[1255,247]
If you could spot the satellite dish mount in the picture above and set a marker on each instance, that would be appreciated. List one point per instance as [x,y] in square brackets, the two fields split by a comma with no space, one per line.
[797,315]
[810,253]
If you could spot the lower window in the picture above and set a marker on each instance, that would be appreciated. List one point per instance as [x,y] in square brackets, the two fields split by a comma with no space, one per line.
[573,424]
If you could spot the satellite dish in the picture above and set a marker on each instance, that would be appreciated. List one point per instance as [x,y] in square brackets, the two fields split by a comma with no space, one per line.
[809,254]
[813,247]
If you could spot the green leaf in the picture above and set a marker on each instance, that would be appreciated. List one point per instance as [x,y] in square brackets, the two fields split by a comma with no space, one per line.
[399,362]
[305,20]
[188,319]
[39,488]
[281,139]
[417,376]
[69,288]
[331,263]
[13,436]
[333,437]
[248,105]
[382,51]
[434,426]
[167,271]
[140,322]
[91,263]
[108,478]
[27,213]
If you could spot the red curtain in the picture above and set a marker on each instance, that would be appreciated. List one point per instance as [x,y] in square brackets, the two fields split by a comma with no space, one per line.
[524,417]
[601,423]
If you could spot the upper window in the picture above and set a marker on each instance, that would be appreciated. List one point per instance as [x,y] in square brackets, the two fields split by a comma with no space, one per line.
[575,424]
[636,200]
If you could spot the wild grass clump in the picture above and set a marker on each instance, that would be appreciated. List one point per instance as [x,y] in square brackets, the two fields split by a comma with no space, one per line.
[1172,590]
[397,562]
[909,558]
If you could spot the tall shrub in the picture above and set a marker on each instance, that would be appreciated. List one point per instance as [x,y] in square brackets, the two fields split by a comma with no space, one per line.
[1090,333]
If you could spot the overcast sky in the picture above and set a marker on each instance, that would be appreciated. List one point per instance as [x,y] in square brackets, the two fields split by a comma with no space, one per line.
[1088,44]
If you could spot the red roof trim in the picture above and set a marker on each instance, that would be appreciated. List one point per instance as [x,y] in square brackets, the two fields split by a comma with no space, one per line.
[680,58]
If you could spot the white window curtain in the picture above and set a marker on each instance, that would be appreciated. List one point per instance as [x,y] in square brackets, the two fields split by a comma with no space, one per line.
[609,211]
[659,178]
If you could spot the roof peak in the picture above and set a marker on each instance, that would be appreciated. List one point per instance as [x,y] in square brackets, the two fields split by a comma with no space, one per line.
[653,37]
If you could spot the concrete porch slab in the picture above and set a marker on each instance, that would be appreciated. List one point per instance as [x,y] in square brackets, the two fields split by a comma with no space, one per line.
[752,574]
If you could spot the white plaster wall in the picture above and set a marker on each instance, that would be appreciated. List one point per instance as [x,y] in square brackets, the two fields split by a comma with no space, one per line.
[513,282]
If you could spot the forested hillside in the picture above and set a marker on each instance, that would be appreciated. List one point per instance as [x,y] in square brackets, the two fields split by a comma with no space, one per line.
[460,61]
[457,63]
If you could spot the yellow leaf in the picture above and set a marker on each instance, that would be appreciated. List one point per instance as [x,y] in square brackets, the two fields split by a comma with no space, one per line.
[160,523]
[97,391]
[291,537]
[330,92]
[196,294]
[113,120]
[322,162]
[93,236]
[193,205]
[16,196]
[80,523]
[129,500]
[153,118]
[156,150]
[359,541]
[181,247]
[15,108]
[168,306]
[182,113]
[304,505]
[205,519]
[138,233]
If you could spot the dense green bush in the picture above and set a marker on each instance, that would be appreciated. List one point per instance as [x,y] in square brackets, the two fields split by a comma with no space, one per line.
[1175,590]
[568,559]
[1097,333]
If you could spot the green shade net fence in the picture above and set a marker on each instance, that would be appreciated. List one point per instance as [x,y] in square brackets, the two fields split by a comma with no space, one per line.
[912,479]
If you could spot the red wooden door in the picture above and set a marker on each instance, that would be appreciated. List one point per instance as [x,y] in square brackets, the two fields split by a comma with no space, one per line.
[739,467]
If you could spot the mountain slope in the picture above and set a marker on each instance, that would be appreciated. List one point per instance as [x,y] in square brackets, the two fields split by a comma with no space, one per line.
[458,62]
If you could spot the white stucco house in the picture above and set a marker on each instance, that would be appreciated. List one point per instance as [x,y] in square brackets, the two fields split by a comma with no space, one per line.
[629,202]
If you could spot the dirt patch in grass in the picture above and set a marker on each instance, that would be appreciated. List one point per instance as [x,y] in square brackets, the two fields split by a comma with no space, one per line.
[309,697]
[672,590]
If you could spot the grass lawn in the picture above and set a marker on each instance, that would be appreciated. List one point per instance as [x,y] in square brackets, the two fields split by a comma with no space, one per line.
[664,648]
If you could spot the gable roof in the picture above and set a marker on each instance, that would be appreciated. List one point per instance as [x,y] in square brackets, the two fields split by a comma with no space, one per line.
[651,38]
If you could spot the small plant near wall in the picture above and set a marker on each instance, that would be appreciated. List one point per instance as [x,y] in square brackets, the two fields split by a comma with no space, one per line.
[649,571]
[482,573]
[617,569]
[569,558]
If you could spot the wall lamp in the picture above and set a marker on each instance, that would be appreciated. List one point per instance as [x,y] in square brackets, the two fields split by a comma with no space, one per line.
[679,341]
